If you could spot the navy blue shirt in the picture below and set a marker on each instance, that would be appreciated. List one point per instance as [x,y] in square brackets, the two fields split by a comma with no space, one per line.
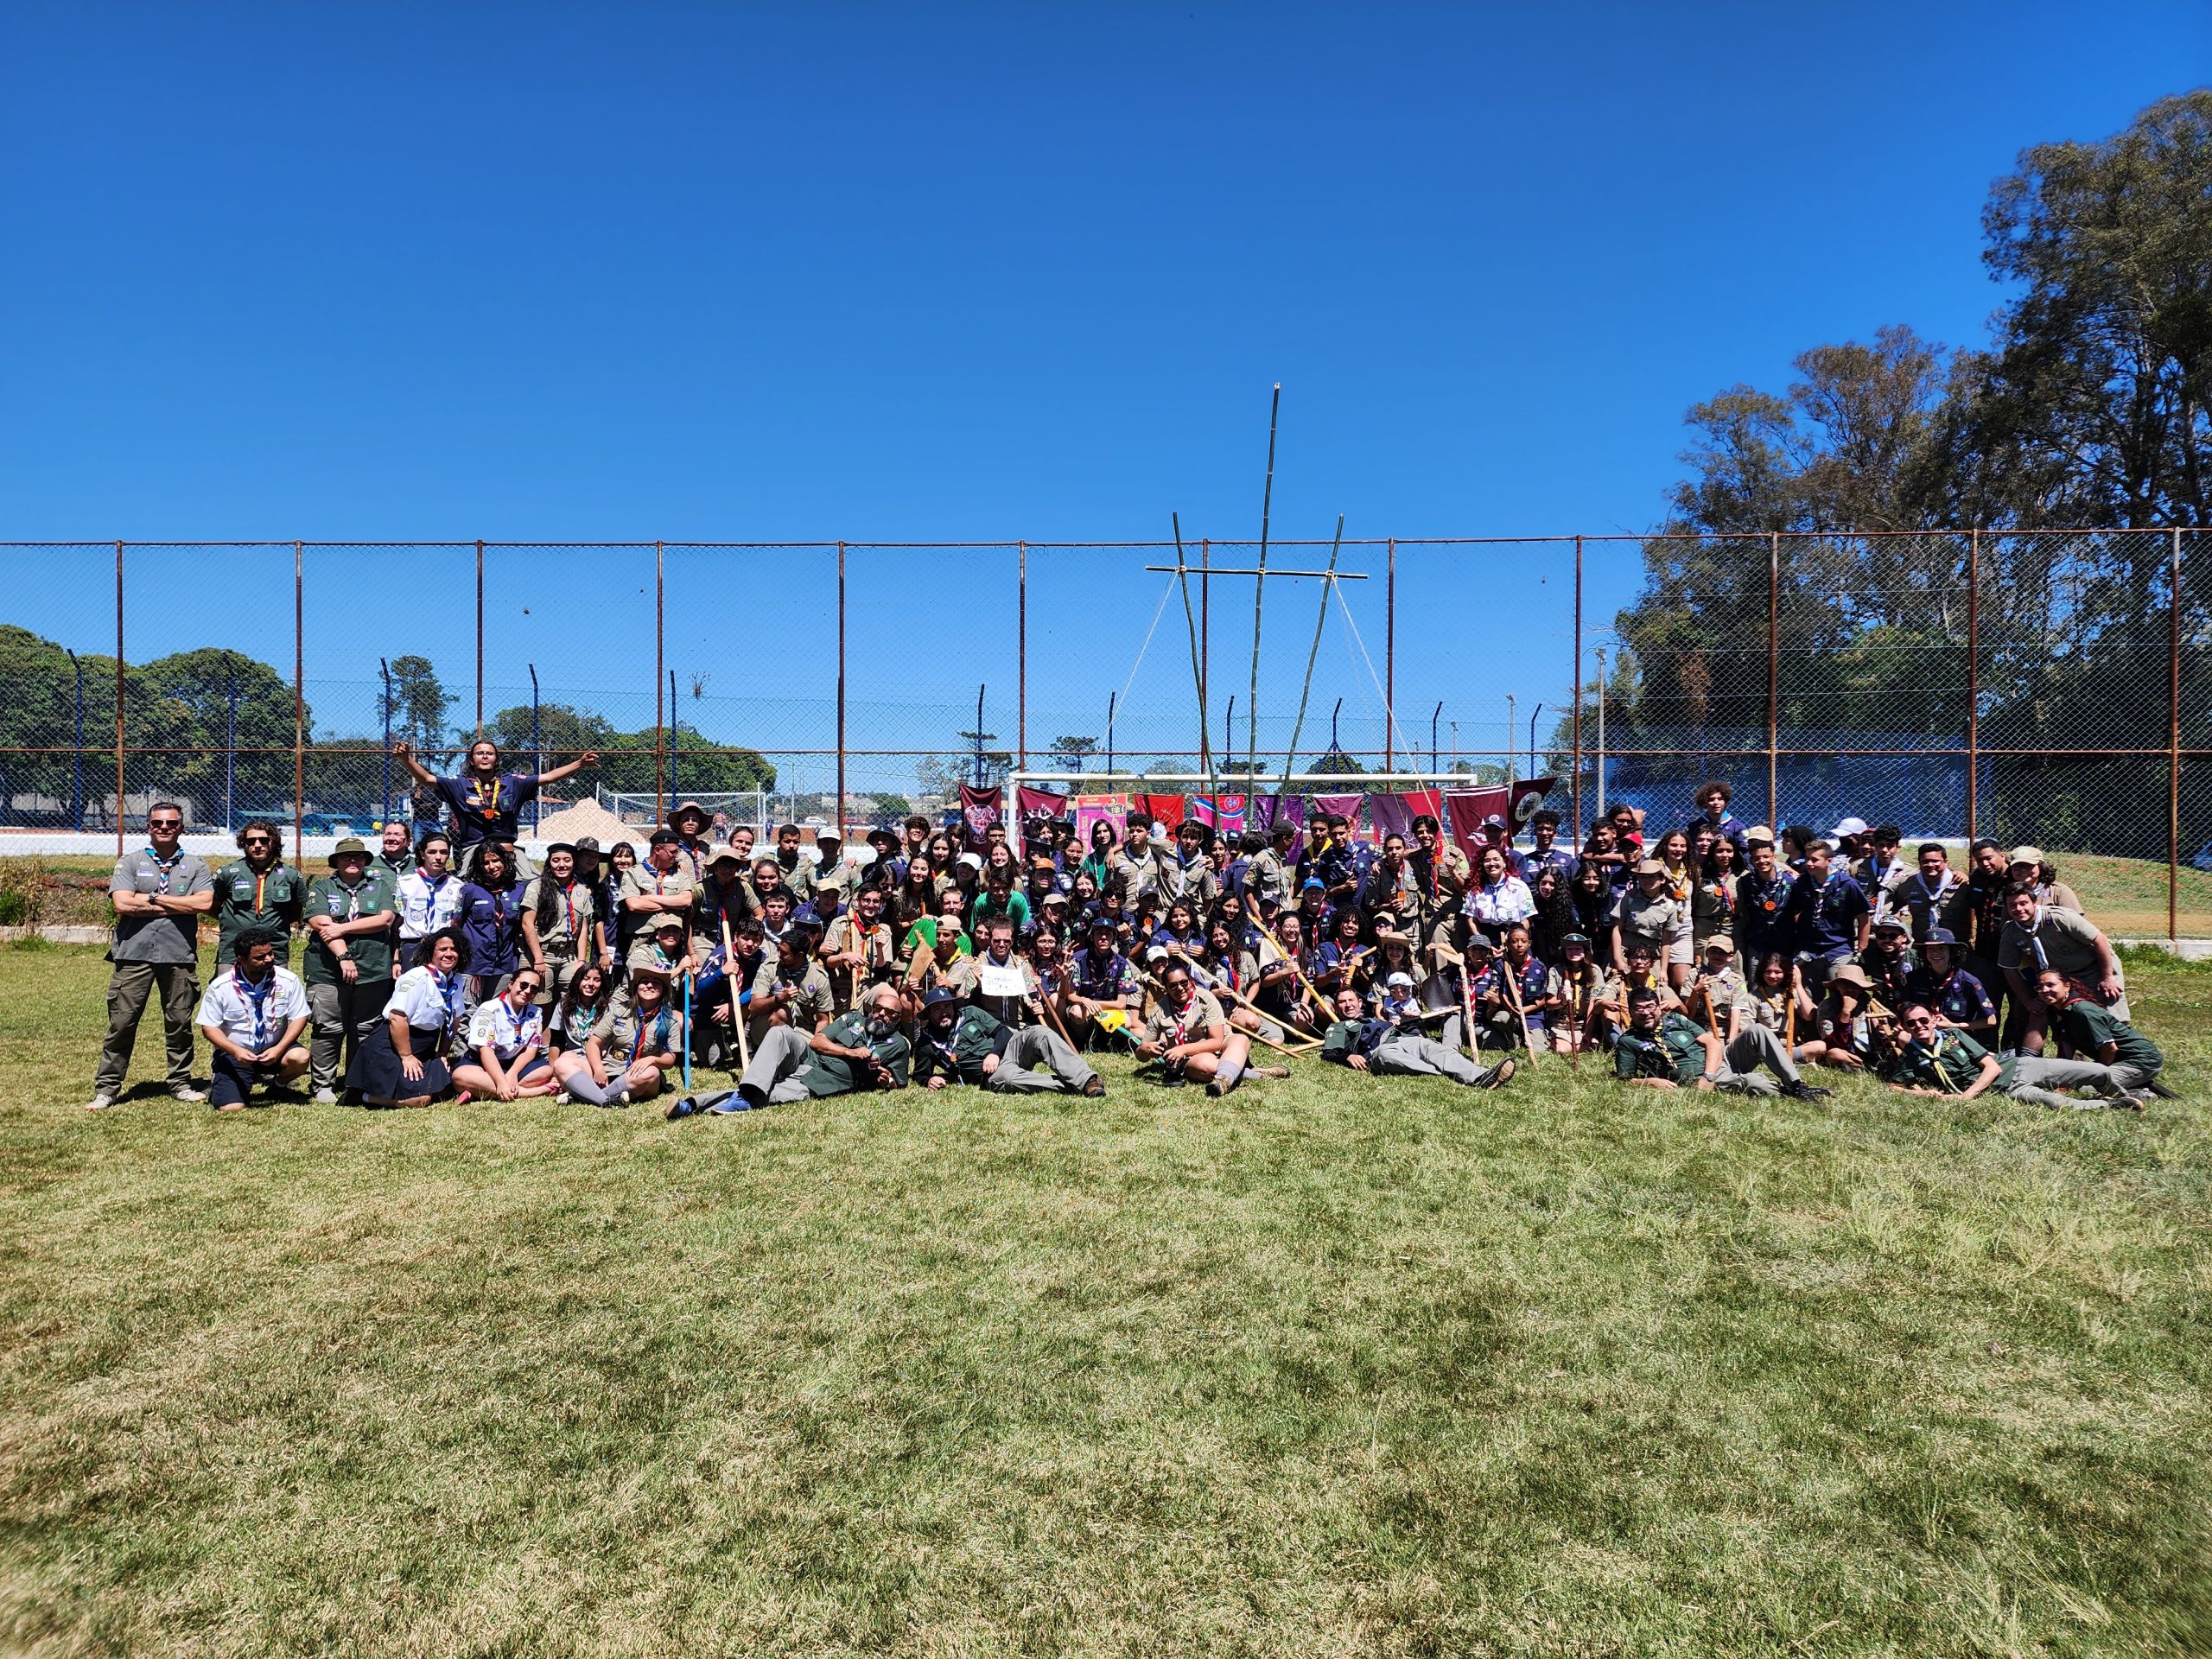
[482,811]
[1824,915]
[1762,924]
[1959,999]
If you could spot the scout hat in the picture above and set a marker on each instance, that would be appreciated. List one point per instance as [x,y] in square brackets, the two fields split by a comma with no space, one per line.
[1941,936]
[938,996]
[2023,855]
[720,850]
[350,845]
[883,836]
[1851,974]
[692,808]
[1651,867]
[1583,939]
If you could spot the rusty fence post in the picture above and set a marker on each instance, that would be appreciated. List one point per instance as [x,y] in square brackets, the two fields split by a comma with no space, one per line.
[118,700]
[2173,751]
[1022,660]
[299,697]
[1974,684]
[1773,672]
[1390,658]
[1575,785]
[838,817]
[479,637]
[660,673]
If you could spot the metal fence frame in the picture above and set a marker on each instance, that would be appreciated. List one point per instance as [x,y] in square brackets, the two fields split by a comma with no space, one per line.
[2172,753]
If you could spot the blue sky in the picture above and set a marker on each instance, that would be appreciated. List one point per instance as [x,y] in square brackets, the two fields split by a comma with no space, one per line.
[939,273]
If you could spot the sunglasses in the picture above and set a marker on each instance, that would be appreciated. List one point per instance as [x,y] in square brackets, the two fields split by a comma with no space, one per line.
[165,824]
[257,841]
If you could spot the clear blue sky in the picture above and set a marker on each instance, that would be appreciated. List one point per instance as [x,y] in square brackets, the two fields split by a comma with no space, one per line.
[403,271]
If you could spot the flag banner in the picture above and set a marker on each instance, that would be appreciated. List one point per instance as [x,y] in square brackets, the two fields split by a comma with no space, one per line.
[1223,813]
[1165,811]
[1040,803]
[1098,808]
[1350,805]
[979,810]
[1263,812]
[1467,810]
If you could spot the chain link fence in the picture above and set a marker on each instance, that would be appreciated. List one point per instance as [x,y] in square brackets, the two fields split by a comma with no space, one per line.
[2053,688]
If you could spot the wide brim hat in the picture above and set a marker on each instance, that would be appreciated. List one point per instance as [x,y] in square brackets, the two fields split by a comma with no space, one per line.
[350,846]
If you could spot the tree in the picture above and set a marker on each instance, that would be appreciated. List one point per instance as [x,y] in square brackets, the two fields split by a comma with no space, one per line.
[200,687]
[889,807]
[418,710]
[1072,752]
[1336,762]
[986,768]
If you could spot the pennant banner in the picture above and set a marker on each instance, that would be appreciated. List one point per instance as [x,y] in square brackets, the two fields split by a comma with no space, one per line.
[1467,810]
[1040,803]
[1223,813]
[979,810]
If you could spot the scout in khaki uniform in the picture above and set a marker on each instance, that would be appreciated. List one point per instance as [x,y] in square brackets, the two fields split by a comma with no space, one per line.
[1186,1033]
[159,895]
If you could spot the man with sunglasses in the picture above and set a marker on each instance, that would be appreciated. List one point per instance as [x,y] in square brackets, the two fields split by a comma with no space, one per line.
[159,894]
[258,890]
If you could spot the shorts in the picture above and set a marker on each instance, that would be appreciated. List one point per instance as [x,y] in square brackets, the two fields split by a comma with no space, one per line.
[234,1081]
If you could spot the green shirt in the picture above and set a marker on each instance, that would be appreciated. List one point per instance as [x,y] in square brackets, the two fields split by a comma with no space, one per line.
[371,952]
[271,899]
[2089,1025]
[960,1053]
[1675,1050]
[1951,1064]
[825,1075]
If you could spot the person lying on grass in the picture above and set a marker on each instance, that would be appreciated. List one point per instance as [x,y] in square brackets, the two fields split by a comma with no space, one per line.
[954,1043]
[1664,1048]
[1187,1034]
[859,1050]
[1939,1059]
[2093,1032]
[508,1034]
[252,1016]
[1375,1043]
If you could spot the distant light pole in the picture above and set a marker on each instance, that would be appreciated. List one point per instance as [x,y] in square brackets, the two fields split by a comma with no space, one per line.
[1111,698]
[77,780]
[231,749]
[1433,719]
[536,802]
[386,667]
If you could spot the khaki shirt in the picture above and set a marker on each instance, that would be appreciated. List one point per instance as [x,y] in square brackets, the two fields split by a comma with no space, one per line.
[1201,1015]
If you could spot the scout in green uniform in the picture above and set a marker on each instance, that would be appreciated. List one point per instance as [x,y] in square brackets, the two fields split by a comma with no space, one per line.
[1943,1060]
[1664,1048]
[2094,1032]
[395,854]
[957,1045]
[350,917]
[258,890]
[862,1050]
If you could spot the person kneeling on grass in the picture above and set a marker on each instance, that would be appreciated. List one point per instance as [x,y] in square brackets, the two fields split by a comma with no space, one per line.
[629,1056]
[972,1045]
[2093,1032]
[1187,1034]
[1373,1044]
[404,1061]
[508,1034]
[1938,1059]
[1666,1049]
[252,1016]
[861,1049]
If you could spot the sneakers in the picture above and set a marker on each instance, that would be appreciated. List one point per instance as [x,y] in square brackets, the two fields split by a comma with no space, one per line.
[1499,1075]
[189,1095]
[753,1095]
[1803,1090]
[326,1098]
[1217,1085]
[99,1102]
[682,1106]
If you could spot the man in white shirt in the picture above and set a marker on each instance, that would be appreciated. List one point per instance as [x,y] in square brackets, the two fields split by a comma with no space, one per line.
[253,1016]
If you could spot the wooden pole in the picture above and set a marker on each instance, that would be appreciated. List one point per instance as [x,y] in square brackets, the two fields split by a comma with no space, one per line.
[1021,662]
[1973,684]
[2173,753]
[1389,652]
[1773,670]
[1259,598]
[660,671]
[1576,786]
[479,637]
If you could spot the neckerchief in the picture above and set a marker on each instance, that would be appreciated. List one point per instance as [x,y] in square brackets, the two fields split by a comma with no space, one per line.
[352,901]
[511,1019]
[165,866]
[259,1000]
[449,993]
[1174,1035]
[436,887]
[660,1035]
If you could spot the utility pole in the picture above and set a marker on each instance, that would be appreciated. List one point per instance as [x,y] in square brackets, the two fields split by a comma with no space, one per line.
[1601,731]
[1512,747]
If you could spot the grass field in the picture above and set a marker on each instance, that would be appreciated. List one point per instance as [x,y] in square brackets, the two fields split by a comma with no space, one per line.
[1332,1366]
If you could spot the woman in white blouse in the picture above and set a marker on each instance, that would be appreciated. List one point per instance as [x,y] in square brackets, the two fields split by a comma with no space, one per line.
[1499,899]
[508,1032]
[403,1063]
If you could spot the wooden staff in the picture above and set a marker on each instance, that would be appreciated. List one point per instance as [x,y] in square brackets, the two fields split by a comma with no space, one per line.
[736,1008]
[1790,1016]
[1320,1006]
[1512,981]
[1307,1043]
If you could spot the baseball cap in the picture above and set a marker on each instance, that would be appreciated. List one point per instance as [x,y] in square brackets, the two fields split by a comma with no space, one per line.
[1940,936]
[1891,924]
[820,835]
[1721,941]
[1847,827]
[2023,855]
[1759,834]
[587,844]
[1313,884]
[1399,981]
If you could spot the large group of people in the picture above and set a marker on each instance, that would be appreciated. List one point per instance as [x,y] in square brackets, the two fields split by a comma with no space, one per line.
[444,961]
